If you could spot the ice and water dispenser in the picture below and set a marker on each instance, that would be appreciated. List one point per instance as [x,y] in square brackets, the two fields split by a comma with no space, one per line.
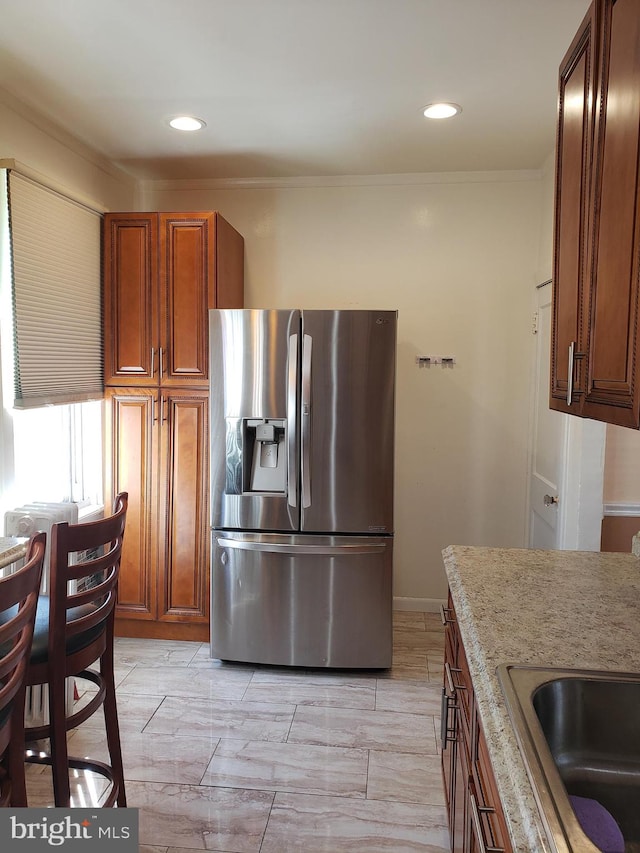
[265,455]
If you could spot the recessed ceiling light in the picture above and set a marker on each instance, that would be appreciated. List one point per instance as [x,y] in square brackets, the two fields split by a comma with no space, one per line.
[442,110]
[187,123]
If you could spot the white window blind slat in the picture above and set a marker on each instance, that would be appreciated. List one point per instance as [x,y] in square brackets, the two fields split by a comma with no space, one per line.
[55,250]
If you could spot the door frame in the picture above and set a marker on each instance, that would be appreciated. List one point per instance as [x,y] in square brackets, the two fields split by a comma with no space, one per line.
[580,475]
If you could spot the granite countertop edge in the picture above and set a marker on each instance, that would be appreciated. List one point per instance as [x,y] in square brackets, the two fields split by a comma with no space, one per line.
[518,606]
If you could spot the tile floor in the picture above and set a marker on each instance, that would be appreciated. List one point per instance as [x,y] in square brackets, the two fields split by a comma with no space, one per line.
[252,759]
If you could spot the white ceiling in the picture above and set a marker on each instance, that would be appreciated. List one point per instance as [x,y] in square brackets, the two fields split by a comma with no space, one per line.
[293,87]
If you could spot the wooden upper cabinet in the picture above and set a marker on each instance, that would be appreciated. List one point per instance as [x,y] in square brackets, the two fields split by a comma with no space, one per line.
[187,275]
[163,271]
[597,225]
[131,297]
[573,164]
[613,391]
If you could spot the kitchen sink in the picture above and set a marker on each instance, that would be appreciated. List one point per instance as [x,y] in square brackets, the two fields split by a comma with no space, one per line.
[579,734]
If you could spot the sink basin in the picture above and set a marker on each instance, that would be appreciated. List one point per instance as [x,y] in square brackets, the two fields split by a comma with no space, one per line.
[579,733]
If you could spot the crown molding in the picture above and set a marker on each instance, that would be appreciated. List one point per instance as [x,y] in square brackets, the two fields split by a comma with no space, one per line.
[405,179]
[62,136]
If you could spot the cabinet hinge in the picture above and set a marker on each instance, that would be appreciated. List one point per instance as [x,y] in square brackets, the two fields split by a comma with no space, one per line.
[534,323]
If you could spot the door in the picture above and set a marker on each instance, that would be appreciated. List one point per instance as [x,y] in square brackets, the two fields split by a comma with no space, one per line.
[347,421]
[566,461]
[548,430]
[254,367]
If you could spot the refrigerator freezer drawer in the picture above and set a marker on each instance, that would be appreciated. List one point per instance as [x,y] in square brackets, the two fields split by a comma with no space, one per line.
[302,600]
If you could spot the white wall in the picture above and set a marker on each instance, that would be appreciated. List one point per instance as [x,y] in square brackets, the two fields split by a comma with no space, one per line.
[45,148]
[545,246]
[457,256]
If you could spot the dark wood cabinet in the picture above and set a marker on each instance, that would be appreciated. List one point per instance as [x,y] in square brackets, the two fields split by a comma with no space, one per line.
[163,271]
[596,331]
[476,820]
[573,174]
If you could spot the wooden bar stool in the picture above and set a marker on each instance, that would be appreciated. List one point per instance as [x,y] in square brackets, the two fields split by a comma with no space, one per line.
[18,602]
[74,629]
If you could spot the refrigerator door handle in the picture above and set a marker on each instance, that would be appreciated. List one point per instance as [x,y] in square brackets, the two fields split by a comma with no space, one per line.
[295,550]
[292,388]
[306,420]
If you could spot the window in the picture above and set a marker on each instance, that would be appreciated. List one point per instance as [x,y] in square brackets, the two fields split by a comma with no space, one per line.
[58,453]
[49,453]
[56,297]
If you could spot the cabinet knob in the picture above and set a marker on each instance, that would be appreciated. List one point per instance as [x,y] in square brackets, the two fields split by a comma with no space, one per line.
[550,500]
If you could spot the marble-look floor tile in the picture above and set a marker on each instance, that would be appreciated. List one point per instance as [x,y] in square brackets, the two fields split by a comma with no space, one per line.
[196,683]
[134,712]
[289,767]
[405,778]
[83,686]
[435,664]
[247,720]
[87,788]
[438,731]
[202,658]
[410,670]
[433,621]
[417,641]
[300,822]
[129,651]
[150,757]
[201,818]
[410,618]
[411,697]
[387,730]
[312,689]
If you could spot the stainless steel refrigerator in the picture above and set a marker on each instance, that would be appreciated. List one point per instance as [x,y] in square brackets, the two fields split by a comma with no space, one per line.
[302,446]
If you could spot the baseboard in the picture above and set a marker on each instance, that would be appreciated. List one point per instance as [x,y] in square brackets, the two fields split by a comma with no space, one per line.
[421,605]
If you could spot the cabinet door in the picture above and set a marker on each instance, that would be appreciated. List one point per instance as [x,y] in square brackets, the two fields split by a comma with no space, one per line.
[573,165]
[613,392]
[459,831]
[131,440]
[184,511]
[130,298]
[187,281]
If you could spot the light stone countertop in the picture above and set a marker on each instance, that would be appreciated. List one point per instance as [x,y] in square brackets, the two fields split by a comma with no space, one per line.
[545,608]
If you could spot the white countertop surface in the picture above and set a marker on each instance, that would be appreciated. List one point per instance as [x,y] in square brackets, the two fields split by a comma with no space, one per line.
[545,608]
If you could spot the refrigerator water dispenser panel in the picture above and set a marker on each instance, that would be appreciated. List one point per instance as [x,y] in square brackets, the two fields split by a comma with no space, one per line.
[266,455]
[256,456]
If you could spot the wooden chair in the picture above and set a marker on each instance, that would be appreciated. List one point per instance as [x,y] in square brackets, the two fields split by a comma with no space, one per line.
[18,601]
[73,630]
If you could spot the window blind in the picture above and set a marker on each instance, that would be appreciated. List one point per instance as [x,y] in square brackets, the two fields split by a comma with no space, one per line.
[56,290]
